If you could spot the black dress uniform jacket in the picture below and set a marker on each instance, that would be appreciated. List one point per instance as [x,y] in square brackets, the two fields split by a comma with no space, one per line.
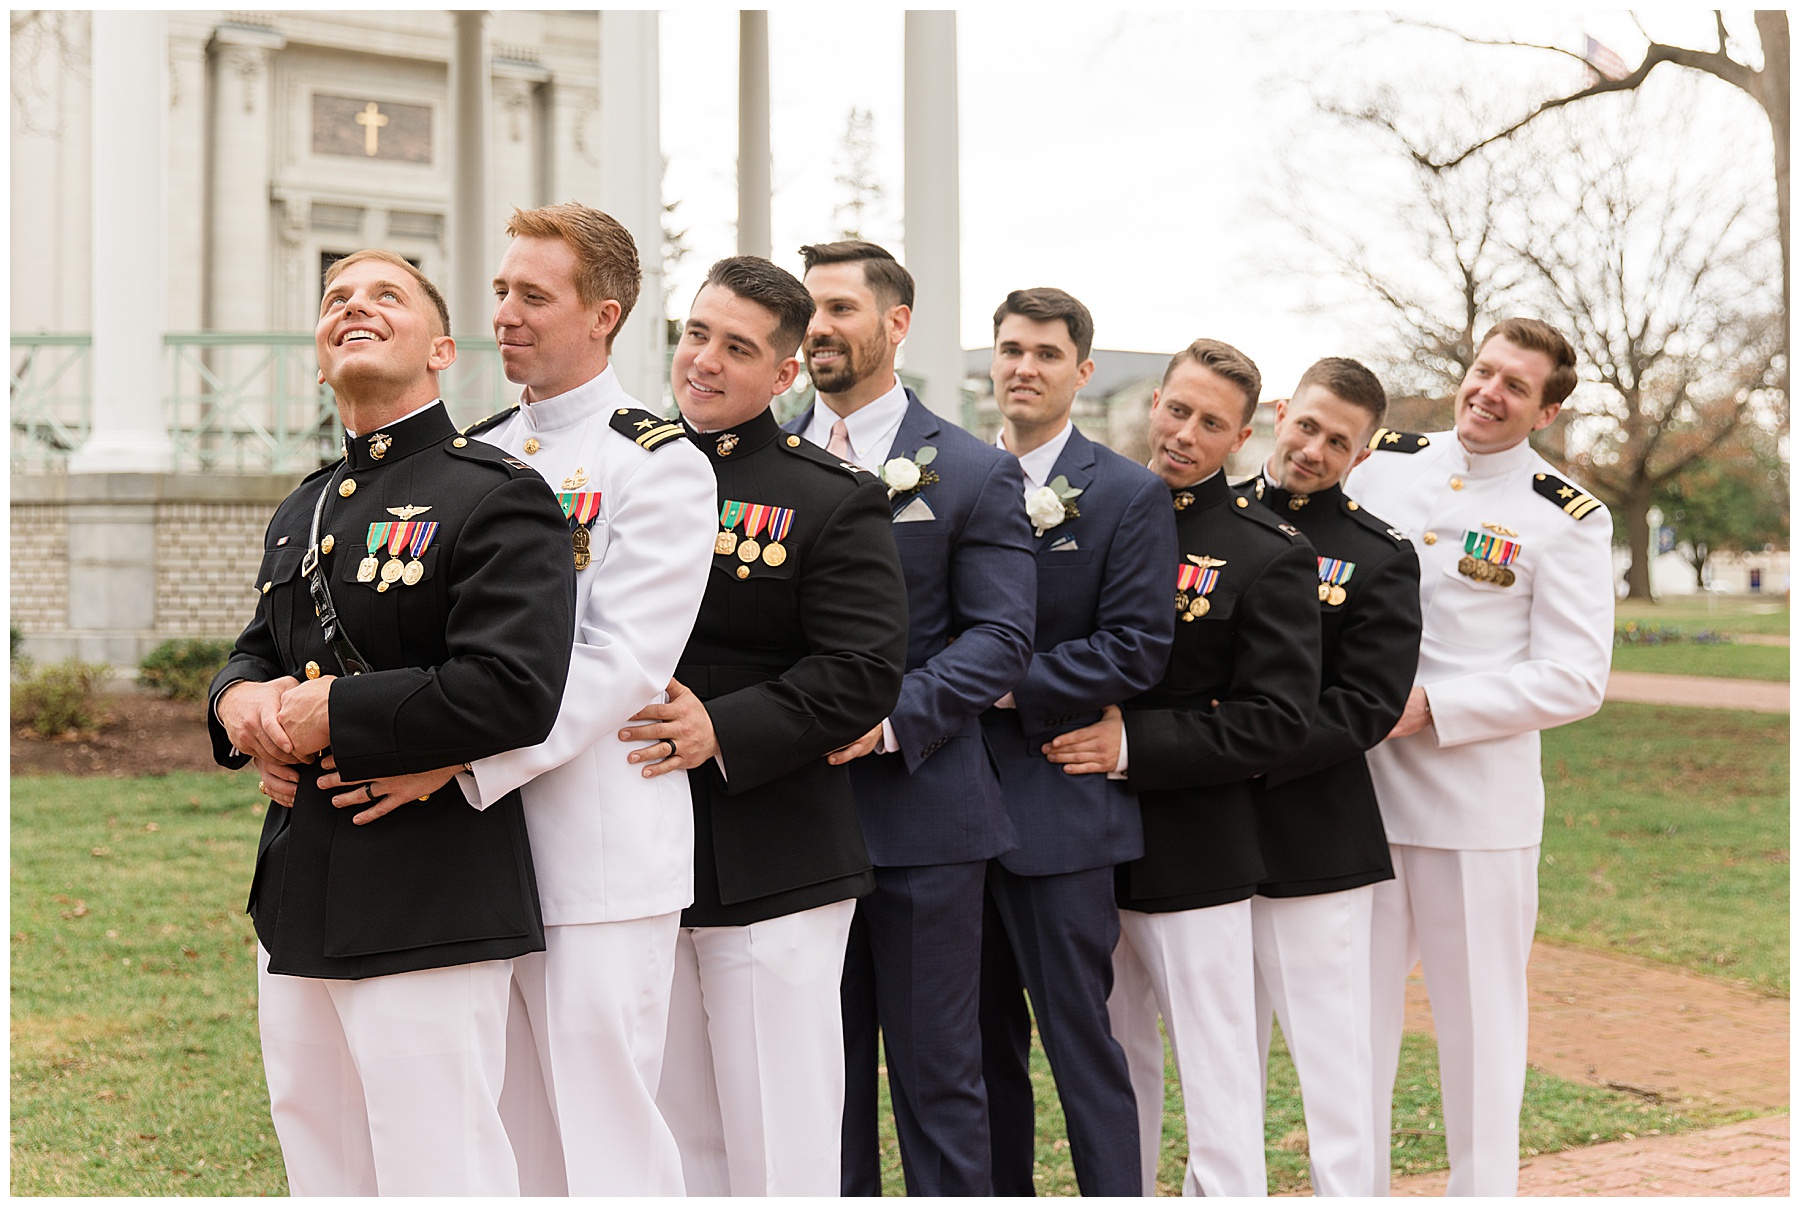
[1316,813]
[466,662]
[1253,646]
[794,655]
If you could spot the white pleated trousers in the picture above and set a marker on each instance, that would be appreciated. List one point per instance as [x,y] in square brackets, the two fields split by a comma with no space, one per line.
[1196,969]
[389,1085]
[596,1011]
[753,1074]
[1469,917]
[1312,973]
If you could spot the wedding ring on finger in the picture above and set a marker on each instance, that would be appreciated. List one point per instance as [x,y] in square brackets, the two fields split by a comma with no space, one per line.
[262,786]
[671,742]
[369,792]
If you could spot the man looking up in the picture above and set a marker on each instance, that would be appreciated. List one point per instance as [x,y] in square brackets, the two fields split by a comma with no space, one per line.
[929,800]
[1105,543]
[798,651]
[1515,586]
[415,610]
[614,850]
[1240,688]
[1317,820]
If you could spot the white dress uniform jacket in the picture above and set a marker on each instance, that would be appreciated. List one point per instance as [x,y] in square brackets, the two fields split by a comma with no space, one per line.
[608,844]
[1498,662]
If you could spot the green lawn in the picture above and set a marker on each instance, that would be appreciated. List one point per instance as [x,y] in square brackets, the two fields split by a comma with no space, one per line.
[1666,835]
[1717,661]
[1726,613]
[135,1067]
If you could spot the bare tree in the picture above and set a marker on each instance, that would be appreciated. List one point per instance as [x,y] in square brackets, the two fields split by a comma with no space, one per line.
[863,190]
[45,42]
[1733,60]
[1663,278]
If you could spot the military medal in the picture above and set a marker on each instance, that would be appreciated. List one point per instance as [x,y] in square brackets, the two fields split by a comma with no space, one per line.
[421,540]
[580,508]
[371,565]
[1333,574]
[725,543]
[1199,578]
[755,516]
[365,569]
[780,520]
[748,550]
[730,512]
[391,570]
[1488,559]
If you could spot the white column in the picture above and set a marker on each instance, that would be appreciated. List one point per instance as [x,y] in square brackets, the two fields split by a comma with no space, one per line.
[129,434]
[471,92]
[933,223]
[753,238]
[241,260]
[631,187]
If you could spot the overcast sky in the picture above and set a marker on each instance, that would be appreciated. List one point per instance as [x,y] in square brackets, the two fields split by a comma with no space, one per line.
[1135,159]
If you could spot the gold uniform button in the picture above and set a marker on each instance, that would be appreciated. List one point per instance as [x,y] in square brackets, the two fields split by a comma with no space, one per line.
[1351,504]
[623,411]
[1456,484]
[459,442]
[326,544]
[531,444]
[312,670]
[743,572]
[1242,501]
[348,488]
[1430,538]
[267,585]
[793,442]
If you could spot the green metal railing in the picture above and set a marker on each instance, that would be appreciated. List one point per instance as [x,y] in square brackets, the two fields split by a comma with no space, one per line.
[243,403]
[234,402]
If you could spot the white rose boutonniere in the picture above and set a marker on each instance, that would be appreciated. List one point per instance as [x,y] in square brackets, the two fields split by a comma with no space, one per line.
[909,473]
[1048,506]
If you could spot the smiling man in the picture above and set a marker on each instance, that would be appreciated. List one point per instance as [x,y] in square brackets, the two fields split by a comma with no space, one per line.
[797,652]
[1235,703]
[614,850]
[415,606]
[1515,587]
[1317,820]
[926,790]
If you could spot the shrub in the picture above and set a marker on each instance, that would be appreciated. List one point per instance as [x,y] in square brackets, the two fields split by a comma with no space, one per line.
[1633,633]
[59,698]
[18,639]
[183,669]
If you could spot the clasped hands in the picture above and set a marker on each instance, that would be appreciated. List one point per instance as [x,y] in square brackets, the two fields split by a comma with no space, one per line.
[283,722]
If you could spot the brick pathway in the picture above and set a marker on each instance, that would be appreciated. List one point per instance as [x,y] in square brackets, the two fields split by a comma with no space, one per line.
[1749,1158]
[1612,1019]
[1641,687]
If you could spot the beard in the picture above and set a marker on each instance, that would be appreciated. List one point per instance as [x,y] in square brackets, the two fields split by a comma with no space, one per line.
[857,365]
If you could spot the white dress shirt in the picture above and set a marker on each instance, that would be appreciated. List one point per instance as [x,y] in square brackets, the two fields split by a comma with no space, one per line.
[1038,463]
[871,428]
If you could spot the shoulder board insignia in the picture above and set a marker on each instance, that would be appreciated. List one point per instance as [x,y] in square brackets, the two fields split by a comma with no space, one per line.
[1575,502]
[515,463]
[492,421]
[647,430]
[1396,534]
[1360,514]
[1391,441]
[1289,529]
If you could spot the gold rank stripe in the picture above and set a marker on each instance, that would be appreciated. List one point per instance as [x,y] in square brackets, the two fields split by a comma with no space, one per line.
[1573,502]
[1580,505]
[656,436]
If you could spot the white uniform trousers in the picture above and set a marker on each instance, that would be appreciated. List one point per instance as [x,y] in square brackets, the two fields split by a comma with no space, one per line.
[389,1085]
[753,1079]
[1312,973]
[1469,915]
[596,1012]
[1195,968]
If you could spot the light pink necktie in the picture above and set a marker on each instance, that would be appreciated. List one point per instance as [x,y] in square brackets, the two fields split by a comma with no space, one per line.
[839,444]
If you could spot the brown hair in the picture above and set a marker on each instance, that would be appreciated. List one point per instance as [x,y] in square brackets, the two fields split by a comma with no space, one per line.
[883,274]
[1228,363]
[774,289]
[1044,305]
[398,261]
[1539,336]
[606,256]
[1350,380]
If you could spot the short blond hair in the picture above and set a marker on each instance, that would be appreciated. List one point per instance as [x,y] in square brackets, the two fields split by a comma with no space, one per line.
[606,256]
[401,262]
[1228,363]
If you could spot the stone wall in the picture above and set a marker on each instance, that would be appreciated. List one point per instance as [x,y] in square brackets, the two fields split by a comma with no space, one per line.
[105,567]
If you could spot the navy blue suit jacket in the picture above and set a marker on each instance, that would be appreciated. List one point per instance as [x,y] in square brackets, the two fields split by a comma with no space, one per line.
[1104,630]
[971,598]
